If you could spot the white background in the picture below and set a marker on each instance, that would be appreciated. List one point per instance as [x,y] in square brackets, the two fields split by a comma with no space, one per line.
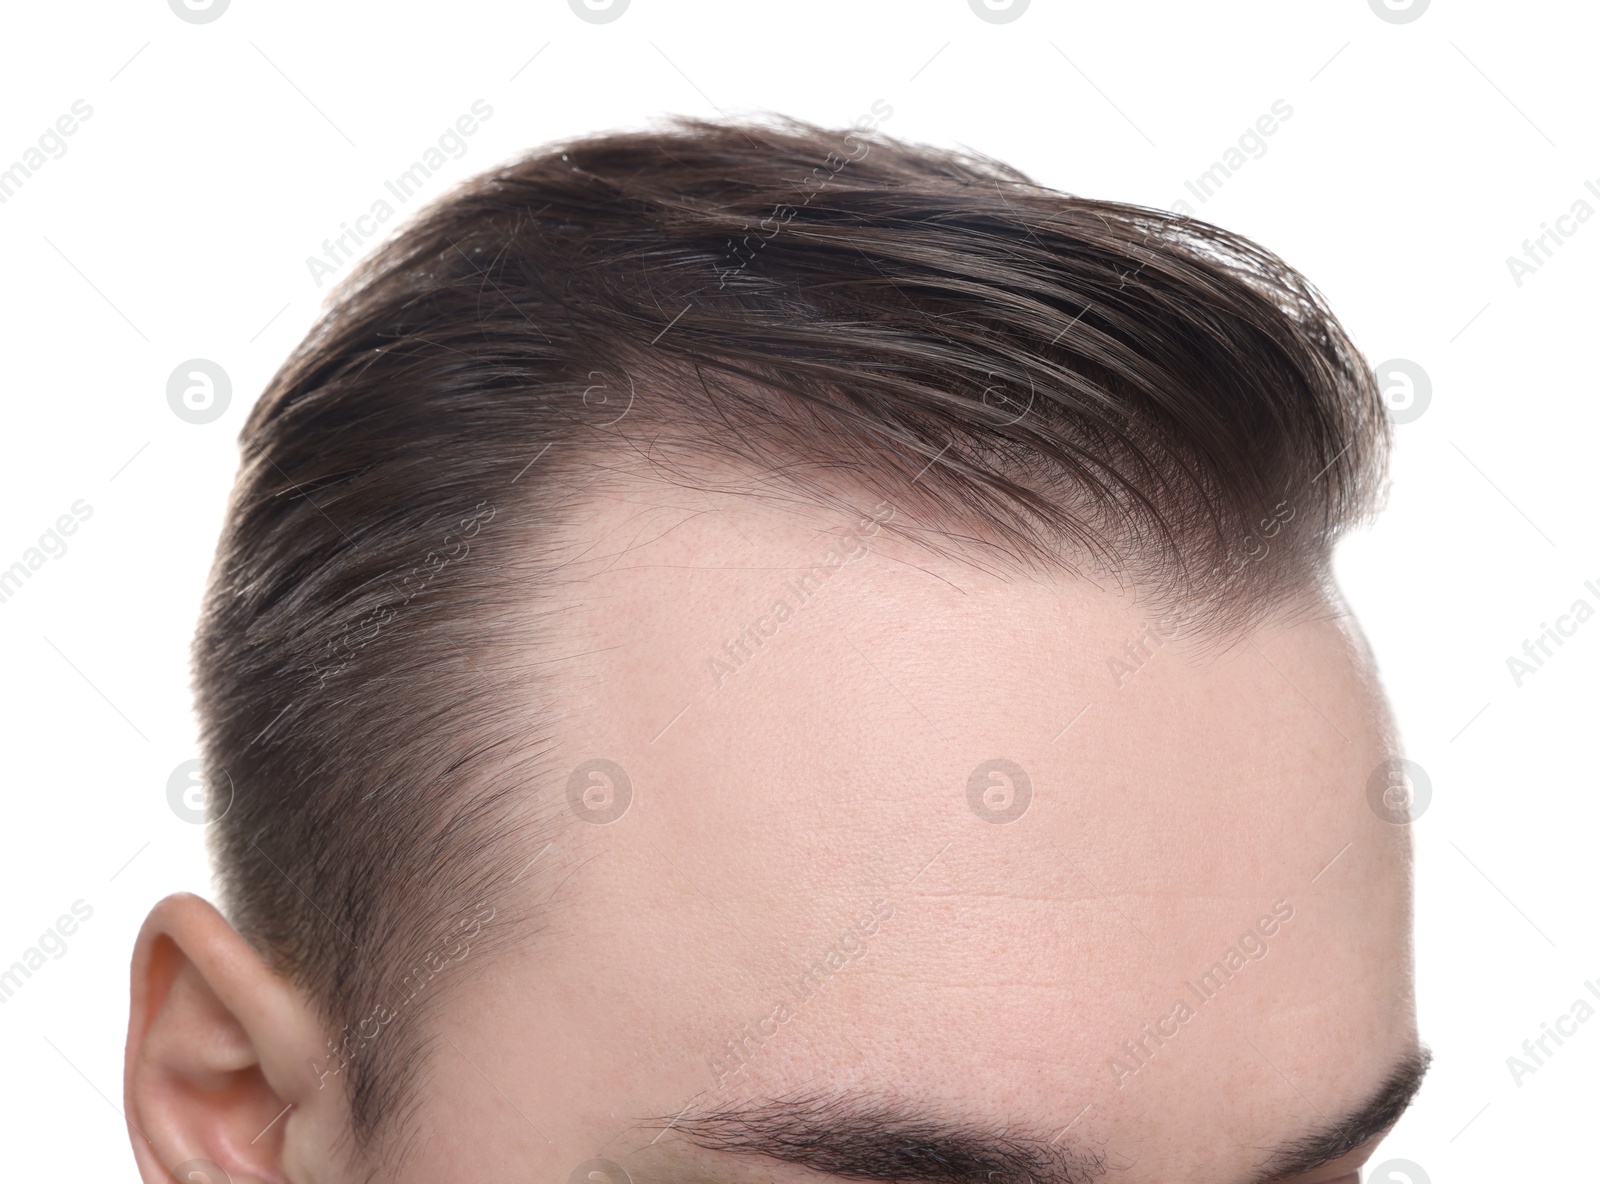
[219,156]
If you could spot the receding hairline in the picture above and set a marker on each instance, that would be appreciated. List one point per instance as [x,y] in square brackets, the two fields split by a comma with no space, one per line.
[917,275]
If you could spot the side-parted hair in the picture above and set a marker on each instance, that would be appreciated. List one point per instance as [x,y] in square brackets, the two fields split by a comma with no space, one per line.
[1062,382]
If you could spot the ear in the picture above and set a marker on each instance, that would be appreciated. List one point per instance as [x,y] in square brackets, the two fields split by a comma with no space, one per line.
[219,1081]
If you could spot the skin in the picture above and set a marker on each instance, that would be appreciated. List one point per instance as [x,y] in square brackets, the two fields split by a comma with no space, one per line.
[824,779]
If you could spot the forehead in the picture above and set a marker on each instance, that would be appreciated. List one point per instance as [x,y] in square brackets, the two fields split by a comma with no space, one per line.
[1005,846]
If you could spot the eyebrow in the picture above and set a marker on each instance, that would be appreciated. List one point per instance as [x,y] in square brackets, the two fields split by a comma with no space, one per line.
[1333,1140]
[857,1137]
[864,1138]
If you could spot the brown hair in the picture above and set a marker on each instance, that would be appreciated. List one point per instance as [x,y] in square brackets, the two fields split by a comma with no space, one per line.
[1047,378]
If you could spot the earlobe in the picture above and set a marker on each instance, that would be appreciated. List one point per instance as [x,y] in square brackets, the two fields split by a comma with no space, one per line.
[216,1076]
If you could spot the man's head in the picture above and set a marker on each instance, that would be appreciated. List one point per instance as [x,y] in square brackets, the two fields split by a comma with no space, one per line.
[749,652]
